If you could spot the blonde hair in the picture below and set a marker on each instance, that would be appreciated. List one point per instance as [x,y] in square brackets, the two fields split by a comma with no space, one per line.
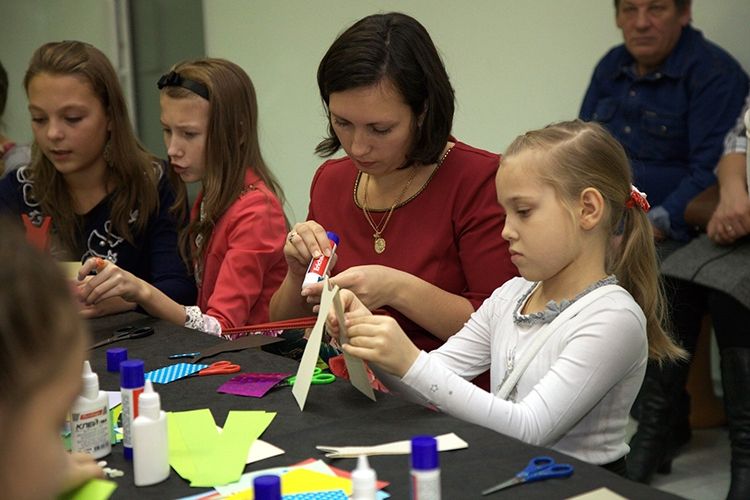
[232,144]
[130,169]
[584,155]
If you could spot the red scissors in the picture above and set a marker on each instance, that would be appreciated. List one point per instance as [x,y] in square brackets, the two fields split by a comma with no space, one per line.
[220,368]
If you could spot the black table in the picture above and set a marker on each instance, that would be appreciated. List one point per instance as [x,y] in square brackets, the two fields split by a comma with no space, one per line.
[336,414]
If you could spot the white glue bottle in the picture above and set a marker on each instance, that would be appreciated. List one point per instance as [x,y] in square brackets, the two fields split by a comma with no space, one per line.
[364,481]
[150,447]
[89,418]
[425,469]
[319,268]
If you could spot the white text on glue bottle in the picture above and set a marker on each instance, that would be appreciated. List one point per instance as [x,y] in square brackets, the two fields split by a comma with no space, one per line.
[425,469]
[150,446]
[89,418]
[318,268]
[131,386]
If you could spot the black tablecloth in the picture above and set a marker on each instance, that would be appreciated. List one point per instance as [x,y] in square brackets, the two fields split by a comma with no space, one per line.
[336,414]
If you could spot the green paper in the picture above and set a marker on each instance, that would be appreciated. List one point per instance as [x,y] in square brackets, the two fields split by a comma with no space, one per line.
[94,489]
[205,457]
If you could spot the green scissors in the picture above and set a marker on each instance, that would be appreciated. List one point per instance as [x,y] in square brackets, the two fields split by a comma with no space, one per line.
[318,377]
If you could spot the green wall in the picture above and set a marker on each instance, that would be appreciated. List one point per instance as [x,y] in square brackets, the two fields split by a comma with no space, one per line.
[515,64]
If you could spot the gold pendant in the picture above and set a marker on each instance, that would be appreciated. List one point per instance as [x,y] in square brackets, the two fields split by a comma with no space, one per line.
[379,244]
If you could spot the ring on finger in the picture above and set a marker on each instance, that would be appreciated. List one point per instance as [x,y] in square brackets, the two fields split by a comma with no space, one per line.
[730,229]
[291,236]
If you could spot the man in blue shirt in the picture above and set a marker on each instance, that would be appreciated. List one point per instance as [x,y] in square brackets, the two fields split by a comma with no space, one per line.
[669,96]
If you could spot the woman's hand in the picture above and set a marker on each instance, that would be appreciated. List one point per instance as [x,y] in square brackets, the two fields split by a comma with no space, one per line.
[112,305]
[307,240]
[79,468]
[731,219]
[379,339]
[374,285]
[110,281]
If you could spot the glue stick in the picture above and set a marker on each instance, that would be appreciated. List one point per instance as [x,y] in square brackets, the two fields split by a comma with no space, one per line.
[132,379]
[267,487]
[318,268]
[425,469]
[89,418]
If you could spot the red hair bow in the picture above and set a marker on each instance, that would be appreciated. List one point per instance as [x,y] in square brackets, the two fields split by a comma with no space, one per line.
[637,198]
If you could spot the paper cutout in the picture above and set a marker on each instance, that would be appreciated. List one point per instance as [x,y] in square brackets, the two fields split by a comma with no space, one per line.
[173,372]
[94,489]
[204,456]
[357,373]
[261,450]
[302,480]
[598,494]
[243,343]
[246,481]
[354,365]
[310,355]
[252,384]
[318,495]
[445,442]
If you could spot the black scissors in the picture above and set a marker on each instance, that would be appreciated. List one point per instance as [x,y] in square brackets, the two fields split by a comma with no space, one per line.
[125,333]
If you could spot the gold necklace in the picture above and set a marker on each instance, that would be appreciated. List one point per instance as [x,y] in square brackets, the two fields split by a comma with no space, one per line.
[379,243]
[378,240]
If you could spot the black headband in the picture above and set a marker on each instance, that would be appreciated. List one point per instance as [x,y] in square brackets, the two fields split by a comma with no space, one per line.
[174,79]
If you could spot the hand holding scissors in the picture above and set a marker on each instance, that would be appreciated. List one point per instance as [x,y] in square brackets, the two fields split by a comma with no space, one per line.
[539,468]
[318,377]
[219,368]
[125,333]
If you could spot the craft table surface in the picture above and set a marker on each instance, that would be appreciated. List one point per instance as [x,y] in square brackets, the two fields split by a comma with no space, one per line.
[337,415]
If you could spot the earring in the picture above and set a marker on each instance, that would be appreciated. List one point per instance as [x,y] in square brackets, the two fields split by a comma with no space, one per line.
[107,153]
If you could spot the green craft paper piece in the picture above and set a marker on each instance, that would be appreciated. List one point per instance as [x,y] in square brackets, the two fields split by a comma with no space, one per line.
[94,489]
[205,457]
[240,430]
[191,436]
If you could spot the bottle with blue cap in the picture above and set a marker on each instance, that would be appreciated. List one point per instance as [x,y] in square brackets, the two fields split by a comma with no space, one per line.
[267,487]
[425,469]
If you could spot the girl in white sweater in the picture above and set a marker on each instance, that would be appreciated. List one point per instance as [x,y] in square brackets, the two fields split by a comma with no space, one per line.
[567,344]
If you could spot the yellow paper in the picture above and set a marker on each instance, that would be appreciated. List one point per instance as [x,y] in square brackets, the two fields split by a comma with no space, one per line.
[94,489]
[303,481]
[70,269]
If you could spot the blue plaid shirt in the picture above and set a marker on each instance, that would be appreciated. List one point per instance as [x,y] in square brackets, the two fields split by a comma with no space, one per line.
[672,121]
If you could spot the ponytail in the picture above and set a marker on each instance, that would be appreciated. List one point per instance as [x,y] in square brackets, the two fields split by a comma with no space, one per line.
[633,260]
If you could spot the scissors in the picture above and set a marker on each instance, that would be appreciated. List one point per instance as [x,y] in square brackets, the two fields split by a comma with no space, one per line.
[219,368]
[318,377]
[539,469]
[125,333]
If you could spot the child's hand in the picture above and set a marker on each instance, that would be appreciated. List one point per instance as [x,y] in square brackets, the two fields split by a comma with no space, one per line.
[110,281]
[80,468]
[353,308]
[381,340]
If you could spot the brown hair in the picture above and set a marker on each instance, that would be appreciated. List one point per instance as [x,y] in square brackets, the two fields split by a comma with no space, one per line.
[130,173]
[38,321]
[232,144]
[584,155]
[396,47]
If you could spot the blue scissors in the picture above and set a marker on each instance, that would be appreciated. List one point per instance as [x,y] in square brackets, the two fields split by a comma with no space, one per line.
[318,377]
[539,468]
[124,333]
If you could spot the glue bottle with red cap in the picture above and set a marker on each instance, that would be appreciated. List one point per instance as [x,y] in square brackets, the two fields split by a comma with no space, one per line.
[318,268]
